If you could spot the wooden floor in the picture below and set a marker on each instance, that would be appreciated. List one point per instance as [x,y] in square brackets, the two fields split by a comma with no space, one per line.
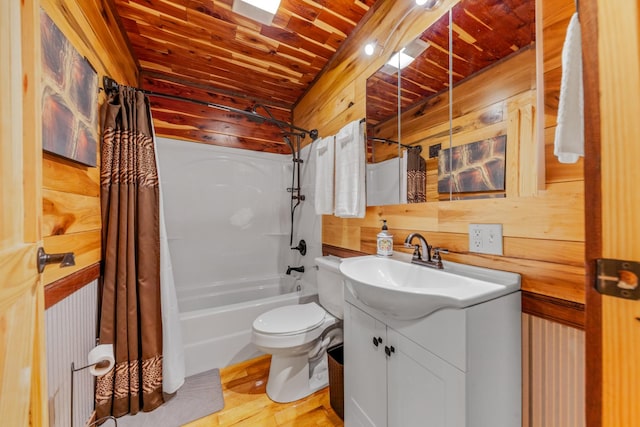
[246,402]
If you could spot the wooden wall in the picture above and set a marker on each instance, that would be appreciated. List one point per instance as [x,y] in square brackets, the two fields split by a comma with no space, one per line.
[71,204]
[543,230]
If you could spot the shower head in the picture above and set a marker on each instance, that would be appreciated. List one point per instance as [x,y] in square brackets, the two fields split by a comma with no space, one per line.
[254,117]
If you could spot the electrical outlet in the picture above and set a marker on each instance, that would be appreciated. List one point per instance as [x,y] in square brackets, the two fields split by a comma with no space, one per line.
[485,238]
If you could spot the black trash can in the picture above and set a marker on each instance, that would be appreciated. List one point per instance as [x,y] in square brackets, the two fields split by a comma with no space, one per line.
[335,358]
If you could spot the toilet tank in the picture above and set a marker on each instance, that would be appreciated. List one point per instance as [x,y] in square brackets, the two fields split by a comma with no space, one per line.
[330,285]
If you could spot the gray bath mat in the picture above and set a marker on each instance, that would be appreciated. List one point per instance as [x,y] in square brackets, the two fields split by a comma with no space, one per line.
[201,395]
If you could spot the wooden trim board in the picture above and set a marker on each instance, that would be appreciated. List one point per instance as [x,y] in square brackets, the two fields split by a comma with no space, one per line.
[588,11]
[62,288]
[557,310]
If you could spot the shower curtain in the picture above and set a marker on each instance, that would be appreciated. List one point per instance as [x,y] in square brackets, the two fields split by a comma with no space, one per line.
[173,367]
[416,177]
[130,310]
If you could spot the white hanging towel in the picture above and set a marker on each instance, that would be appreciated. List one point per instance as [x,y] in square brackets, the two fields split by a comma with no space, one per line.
[350,197]
[384,182]
[569,140]
[324,155]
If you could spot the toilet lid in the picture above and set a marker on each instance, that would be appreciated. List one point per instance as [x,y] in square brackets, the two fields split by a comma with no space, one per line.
[291,319]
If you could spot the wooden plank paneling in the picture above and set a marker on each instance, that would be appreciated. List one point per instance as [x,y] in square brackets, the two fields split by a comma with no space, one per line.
[63,175]
[92,28]
[554,34]
[65,213]
[556,171]
[86,247]
[514,247]
[206,41]
[200,123]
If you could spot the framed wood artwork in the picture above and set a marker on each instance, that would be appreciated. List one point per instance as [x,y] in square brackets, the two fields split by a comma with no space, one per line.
[473,168]
[69,98]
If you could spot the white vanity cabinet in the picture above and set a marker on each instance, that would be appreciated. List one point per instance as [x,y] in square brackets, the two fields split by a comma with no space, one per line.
[453,368]
[367,384]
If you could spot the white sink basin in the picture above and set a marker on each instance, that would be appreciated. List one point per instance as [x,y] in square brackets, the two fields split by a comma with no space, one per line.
[409,291]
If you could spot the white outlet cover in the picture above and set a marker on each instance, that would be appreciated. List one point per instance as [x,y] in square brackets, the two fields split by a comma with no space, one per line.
[485,239]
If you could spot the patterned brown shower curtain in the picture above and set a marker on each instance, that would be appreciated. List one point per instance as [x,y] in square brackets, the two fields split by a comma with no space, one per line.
[416,177]
[130,316]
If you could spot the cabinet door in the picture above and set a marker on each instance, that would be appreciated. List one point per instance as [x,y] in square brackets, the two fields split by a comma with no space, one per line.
[365,380]
[423,390]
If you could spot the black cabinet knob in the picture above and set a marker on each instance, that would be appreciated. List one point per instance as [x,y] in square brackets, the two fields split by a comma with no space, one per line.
[389,350]
[377,341]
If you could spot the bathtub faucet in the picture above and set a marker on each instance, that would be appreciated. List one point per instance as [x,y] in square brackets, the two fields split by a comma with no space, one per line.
[298,269]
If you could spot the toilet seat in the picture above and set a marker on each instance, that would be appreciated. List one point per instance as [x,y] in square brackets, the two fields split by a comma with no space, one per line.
[290,320]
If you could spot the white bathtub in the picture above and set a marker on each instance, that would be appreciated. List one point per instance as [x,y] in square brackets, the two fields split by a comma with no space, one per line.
[216,319]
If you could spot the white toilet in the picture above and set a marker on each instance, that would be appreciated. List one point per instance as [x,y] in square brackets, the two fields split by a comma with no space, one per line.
[295,337]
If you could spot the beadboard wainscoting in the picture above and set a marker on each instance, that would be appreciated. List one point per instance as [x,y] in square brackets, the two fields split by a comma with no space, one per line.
[71,331]
[553,374]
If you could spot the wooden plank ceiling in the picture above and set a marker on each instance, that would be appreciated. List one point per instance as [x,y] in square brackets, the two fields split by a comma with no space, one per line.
[200,49]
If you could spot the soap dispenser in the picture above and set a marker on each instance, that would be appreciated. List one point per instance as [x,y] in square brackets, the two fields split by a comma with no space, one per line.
[385,241]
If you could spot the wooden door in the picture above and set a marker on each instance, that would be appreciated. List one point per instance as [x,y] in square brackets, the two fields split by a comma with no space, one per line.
[22,361]
[611,47]
[619,52]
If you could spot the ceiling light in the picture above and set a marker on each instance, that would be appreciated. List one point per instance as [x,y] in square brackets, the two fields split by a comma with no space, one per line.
[370,48]
[259,10]
[431,4]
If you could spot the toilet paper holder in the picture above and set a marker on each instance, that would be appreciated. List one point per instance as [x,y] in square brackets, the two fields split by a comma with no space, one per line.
[109,417]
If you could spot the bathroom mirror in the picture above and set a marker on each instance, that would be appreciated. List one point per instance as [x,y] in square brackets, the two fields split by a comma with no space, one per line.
[383,182]
[462,129]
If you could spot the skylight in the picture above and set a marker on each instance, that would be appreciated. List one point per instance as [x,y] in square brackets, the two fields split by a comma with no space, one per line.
[259,10]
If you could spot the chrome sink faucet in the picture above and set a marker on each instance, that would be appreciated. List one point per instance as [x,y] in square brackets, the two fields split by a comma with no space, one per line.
[424,258]
[426,249]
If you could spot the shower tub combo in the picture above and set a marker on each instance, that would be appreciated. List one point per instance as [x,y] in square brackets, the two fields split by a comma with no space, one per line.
[216,319]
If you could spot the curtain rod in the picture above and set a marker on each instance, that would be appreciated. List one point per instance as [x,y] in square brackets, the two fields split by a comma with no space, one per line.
[391,141]
[109,85]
